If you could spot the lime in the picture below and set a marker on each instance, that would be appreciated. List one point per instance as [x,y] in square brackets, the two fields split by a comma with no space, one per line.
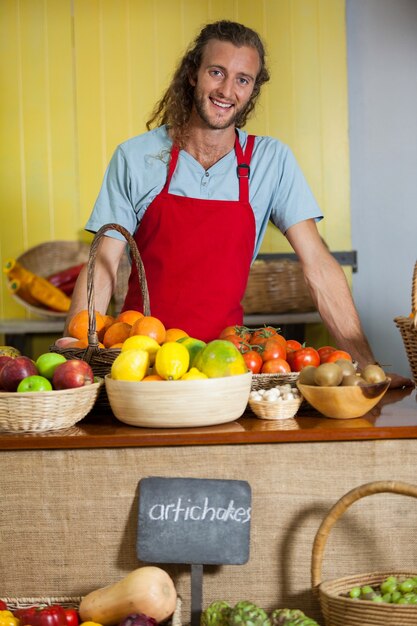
[193,346]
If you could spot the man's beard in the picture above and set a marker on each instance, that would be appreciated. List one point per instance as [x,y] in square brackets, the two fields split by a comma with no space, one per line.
[218,124]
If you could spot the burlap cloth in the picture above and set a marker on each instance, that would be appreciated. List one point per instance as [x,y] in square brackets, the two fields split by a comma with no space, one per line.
[68,518]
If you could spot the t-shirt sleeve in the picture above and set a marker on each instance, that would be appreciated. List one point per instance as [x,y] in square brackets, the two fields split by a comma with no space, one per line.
[114,202]
[293,200]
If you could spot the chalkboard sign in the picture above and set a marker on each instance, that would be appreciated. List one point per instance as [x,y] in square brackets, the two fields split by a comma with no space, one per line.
[193,521]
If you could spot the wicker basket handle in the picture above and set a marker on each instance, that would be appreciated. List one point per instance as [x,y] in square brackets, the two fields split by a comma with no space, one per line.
[92,334]
[414,296]
[340,507]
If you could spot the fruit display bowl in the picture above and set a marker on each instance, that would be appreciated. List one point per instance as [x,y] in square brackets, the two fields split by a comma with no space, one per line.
[179,403]
[344,402]
[38,411]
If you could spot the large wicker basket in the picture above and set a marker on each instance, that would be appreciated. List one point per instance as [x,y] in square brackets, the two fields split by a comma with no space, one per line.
[337,608]
[277,286]
[101,359]
[408,328]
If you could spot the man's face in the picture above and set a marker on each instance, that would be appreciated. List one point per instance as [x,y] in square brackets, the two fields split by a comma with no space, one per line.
[224,83]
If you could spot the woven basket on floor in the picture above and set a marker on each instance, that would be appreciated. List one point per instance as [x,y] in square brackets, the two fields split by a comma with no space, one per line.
[339,610]
[276,286]
[39,411]
[101,359]
[72,603]
[408,328]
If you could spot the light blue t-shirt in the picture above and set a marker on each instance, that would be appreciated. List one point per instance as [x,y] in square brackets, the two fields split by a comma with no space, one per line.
[137,173]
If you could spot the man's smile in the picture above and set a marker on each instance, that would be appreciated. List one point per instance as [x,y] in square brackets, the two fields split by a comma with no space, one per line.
[223,105]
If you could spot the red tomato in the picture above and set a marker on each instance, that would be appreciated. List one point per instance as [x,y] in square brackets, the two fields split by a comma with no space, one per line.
[303,357]
[273,349]
[253,361]
[240,331]
[3,606]
[338,354]
[276,366]
[263,333]
[239,342]
[324,352]
[293,344]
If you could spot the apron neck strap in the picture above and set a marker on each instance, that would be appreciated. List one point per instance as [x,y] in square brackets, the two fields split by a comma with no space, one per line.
[243,166]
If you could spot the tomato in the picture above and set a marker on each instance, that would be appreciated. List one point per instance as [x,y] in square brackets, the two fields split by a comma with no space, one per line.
[273,349]
[276,366]
[303,357]
[263,333]
[293,344]
[253,361]
[338,354]
[239,342]
[239,331]
[324,352]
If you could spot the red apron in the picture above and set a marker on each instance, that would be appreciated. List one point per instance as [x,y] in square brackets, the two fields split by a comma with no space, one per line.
[197,255]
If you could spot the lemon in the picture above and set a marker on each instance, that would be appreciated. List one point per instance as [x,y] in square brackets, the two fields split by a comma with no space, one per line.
[193,374]
[193,346]
[130,365]
[220,358]
[172,360]
[142,342]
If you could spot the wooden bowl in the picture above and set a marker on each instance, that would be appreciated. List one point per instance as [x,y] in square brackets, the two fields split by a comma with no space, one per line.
[179,403]
[344,402]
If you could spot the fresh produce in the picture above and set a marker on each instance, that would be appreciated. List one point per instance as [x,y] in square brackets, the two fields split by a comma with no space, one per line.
[34,383]
[36,288]
[151,326]
[279,393]
[130,365]
[220,358]
[53,615]
[373,374]
[8,619]
[149,590]
[341,372]
[3,606]
[245,613]
[172,360]
[14,371]
[66,279]
[142,342]
[193,346]
[392,590]
[138,619]
[193,374]
[9,351]
[48,362]
[71,617]
[71,374]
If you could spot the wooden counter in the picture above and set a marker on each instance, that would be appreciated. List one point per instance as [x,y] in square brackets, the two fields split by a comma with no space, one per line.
[69,501]
[395,417]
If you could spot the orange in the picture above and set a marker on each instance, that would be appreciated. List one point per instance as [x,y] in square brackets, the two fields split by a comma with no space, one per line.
[108,321]
[129,316]
[173,334]
[151,326]
[116,333]
[152,377]
[78,326]
[116,345]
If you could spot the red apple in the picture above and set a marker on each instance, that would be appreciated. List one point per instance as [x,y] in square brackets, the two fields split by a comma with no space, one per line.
[16,370]
[3,360]
[65,342]
[72,373]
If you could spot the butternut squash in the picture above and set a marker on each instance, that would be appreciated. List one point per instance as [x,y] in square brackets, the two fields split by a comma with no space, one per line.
[149,590]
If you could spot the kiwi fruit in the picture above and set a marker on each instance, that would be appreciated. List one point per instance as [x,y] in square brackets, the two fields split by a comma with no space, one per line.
[374,374]
[306,376]
[328,375]
[346,366]
[353,379]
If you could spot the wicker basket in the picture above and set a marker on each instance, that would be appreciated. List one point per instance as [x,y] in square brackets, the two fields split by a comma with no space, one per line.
[339,610]
[46,259]
[72,603]
[408,328]
[266,381]
[278,410]
[276,286]
[101,359]
[38,411]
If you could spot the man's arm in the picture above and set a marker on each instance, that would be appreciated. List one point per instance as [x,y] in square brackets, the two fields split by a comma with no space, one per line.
[331,294]
[109,253]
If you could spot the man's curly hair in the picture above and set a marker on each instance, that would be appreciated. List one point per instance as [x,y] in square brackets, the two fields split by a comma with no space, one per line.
[174,108]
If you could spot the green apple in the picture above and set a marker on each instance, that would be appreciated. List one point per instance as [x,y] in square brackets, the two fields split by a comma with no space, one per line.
[48,362]
[34,383]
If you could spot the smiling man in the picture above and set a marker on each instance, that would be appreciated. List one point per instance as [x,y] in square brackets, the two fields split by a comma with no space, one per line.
[197,193]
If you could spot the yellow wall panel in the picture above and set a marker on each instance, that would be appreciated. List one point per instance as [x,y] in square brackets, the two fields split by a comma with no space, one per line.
[80,76]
